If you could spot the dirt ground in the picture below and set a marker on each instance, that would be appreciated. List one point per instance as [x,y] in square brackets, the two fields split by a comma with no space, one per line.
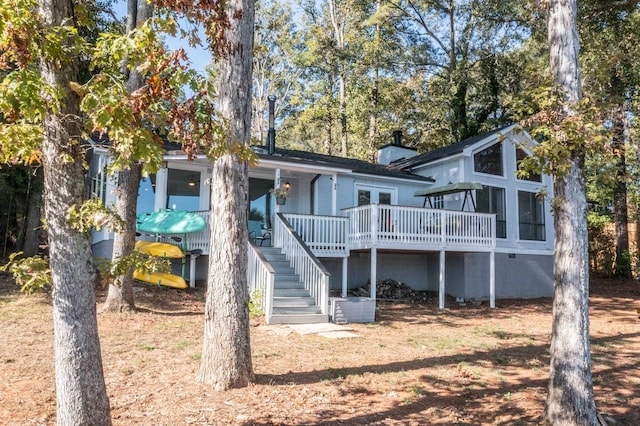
[416,365]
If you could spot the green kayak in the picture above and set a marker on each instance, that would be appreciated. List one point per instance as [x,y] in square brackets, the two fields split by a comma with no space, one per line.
[170,222]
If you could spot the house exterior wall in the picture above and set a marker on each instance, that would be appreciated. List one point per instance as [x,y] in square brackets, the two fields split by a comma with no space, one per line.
[466,274]
[411,269]
[459,168]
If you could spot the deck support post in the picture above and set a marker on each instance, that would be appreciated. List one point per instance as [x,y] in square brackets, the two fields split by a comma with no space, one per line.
[492,279]
[374,270]
[441,283]
[344,276]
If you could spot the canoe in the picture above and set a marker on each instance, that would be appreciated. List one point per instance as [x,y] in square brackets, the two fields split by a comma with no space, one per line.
[155,248]
[160,278]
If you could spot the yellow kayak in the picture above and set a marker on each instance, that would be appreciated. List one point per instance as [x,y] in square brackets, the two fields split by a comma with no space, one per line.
[161,278]
[154,248]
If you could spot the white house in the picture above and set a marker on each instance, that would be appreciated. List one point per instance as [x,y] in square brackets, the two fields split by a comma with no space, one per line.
[456,220]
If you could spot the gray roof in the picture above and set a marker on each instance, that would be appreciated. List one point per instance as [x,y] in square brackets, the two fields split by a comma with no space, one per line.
[443,152]
[352,164]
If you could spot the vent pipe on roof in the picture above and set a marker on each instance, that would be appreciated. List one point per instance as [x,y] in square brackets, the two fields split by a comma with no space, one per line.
[397,137]
[271,135]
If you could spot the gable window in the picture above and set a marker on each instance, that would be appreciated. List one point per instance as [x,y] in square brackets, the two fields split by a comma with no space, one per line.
[491,200]
[522,155]
[489,160]
[531,216]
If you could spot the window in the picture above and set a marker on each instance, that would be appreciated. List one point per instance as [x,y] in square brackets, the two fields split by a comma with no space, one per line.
[146,194]
[373,195]
[491,200]
[531,216]
[489,160]
[522,155]
[364,197]
[183,190]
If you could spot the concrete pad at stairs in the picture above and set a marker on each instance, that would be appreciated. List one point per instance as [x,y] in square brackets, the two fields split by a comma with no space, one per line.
[338,334]
[319,328]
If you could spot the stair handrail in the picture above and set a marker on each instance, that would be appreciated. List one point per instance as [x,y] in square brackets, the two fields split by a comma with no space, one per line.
[260,278]
[311,271]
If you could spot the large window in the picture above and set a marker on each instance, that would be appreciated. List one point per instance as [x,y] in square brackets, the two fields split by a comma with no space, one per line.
[183,190]
[146,194]
[489,160]
[521,155]
[531,216]
[491,200]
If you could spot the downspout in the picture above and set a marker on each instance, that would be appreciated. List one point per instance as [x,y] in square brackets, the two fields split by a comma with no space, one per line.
[312,192]
[271,135]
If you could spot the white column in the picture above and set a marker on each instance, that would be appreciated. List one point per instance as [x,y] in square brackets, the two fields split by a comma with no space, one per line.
[441,284]
[334,195]
[276,185]
[161,189]
[374,270]
[344,276]
[492,279]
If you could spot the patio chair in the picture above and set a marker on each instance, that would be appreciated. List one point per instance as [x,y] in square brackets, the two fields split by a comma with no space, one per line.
[258,233]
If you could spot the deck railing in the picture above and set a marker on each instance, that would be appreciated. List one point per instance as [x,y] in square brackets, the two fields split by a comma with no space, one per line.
[261,279]
[326,236]
[200,240]
[405,227]
[381,225]
[312,273]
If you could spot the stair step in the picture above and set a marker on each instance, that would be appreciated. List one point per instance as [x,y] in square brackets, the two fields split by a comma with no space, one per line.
[293,302]
[282,268]
[296,310]
[274,257]
[291,292]
[298,318]
[288,283]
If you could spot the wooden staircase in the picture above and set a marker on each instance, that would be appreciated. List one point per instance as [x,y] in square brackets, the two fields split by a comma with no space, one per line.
[292,303]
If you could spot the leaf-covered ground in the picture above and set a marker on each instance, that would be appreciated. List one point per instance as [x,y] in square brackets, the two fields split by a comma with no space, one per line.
[416,365]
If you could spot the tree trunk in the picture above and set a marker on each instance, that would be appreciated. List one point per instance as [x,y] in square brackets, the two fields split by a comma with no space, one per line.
[226,353]
[373,114]
[621,218]
[34,215]
[373,118]
[80,388]
[328,125]
[570,398]
[339,22]
[120,295]
[343,114]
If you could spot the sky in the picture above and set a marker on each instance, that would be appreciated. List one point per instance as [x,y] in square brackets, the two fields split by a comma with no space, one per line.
[198,57]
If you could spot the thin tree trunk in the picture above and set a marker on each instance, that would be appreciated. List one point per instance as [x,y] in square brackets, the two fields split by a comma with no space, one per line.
[339,22]
[120,295]
[80,388]
[34,215]
[226,353]
[343,115]
[621,218]
[373,117]
[373,114]
[328,125]
[570,397]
